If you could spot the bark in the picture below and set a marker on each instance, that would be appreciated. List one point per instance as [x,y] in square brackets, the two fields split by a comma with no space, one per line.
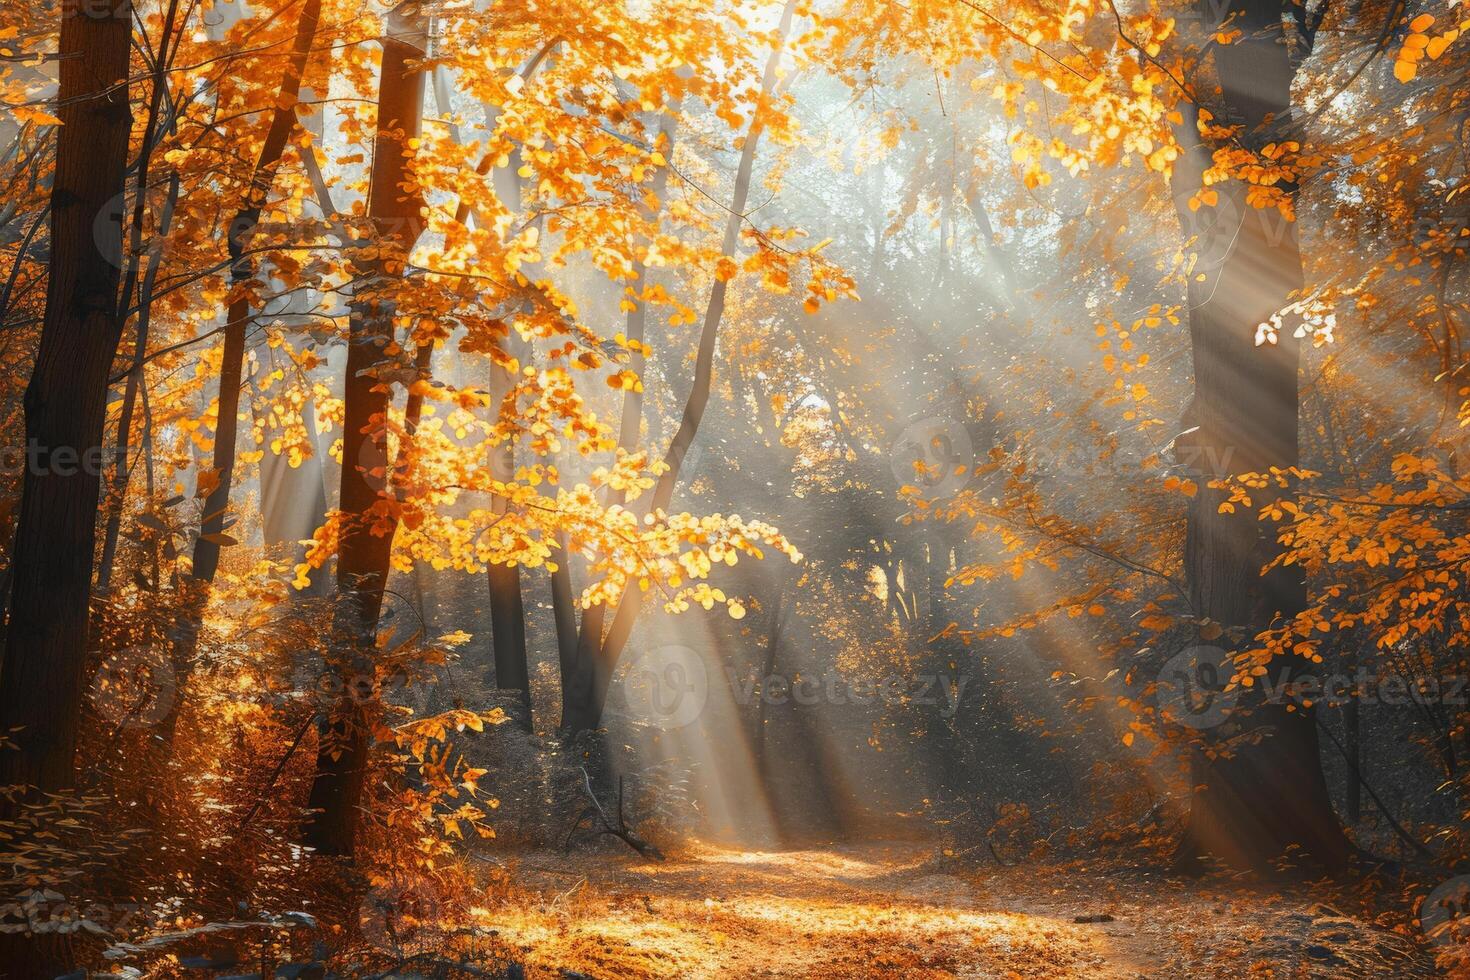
[65,410]
[564,609]
[152,134]
[1267,795]
[508,638]
[598,655]
[507,610]
[1353,725]
[365,545]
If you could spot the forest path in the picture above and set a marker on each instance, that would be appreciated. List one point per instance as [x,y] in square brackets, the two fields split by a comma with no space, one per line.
[884,909]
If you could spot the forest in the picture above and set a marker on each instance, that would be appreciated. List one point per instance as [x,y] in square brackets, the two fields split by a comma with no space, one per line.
[631,489]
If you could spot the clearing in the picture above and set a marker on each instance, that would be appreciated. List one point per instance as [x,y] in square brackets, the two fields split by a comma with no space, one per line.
[857,911]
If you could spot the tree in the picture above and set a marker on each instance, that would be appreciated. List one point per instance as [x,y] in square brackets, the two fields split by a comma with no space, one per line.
[370,520]
[1266,795]
[597,655]
[46,643]
[65,404]
[238,321]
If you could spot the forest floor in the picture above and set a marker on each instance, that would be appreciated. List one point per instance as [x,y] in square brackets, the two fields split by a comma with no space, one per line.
[891,909]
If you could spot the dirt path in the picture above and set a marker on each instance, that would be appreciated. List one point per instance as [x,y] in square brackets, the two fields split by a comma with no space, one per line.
[881,909]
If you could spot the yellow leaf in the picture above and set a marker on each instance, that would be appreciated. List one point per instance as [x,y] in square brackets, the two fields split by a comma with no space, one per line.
[31,114]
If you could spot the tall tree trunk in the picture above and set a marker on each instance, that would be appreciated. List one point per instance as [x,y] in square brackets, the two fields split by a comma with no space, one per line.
[578,649]
[366,543]
[238,318]
[508,638]
[152,135]
[507,609]
[1267,795]
[503,582]
[564,609]
[598,655]
[41,687]
[117,492]
[65,407]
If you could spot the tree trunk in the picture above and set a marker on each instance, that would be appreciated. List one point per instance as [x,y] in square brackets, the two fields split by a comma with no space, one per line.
[508,637]
[65,407]
[65,410]
[117,492]
[507,609]
[598,655]
[579,667]
[564,608]
[238,318]
[366,543]
[1266,796]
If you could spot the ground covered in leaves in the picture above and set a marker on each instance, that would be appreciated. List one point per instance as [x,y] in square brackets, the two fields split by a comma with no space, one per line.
[848,911]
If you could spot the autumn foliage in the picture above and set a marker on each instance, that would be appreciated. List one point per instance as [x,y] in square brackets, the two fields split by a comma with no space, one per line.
[390,387]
